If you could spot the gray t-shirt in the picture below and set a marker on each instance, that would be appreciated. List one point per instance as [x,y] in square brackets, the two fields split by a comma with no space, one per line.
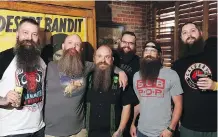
[155,101]
[63,103]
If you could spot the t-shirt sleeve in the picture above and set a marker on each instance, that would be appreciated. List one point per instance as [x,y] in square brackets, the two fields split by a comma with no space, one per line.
[129,97]
[176,88]
[5,86]
[135,78]
[89,66]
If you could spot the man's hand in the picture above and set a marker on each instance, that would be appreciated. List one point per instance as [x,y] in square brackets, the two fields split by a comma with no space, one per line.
[206,83]
[12,97]
[133,131]
[123,79]
[118,133]
[166,133]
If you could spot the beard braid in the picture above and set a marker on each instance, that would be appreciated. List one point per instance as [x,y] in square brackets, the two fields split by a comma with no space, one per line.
[71,65]
[150,68]
[28,55]
[193,49]
[102,79]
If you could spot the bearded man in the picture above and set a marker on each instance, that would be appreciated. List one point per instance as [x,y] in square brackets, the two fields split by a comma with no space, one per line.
[155,86]
[199,117]
[66,85]
[125,58]
[26,70]
[192,41]
[107,105]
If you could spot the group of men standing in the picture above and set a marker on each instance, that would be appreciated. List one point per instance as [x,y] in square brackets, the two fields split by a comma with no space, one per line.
[82,98]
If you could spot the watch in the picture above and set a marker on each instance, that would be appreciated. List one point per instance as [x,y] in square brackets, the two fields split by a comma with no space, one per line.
[171,130]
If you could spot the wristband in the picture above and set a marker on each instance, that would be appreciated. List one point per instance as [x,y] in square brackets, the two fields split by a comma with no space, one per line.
[171,130]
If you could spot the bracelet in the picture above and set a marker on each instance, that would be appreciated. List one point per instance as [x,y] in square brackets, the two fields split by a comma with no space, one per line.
[171,130]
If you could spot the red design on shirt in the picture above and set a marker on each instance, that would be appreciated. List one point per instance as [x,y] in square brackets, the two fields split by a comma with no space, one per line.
[196,73]
[31,81]
[148,89]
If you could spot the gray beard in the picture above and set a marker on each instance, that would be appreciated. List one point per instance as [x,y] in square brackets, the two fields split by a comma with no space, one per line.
[102,79]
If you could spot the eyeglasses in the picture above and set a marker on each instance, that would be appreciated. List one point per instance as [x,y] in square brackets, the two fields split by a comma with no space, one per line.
[128,43]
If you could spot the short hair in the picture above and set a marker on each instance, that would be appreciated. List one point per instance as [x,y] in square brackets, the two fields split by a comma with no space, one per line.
[128,33]
[29,20]
[197,26]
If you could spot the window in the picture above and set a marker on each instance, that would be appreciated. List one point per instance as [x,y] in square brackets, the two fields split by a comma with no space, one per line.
[188,11]
[212,23]
[165,22]
[191,12]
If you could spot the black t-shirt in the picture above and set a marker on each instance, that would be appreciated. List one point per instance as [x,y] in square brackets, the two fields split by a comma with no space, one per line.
[199,108]
[103,109]
[128,63]
[5,59]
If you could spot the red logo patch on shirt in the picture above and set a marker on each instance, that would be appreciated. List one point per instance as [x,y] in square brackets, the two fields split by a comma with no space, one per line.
[148,89]
[31,80]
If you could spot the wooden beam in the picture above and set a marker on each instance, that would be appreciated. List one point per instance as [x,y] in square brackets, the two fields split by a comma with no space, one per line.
[45,8]
[91,28]
[176,33]
[75,4]
[205,19]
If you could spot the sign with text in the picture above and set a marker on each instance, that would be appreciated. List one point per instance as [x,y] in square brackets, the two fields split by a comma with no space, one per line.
[49,25]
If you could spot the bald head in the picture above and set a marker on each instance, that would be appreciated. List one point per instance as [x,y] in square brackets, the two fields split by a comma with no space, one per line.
[105,49]
[103,57]
[72,41]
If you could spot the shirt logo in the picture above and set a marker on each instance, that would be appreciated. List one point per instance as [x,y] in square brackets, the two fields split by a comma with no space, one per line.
[193,71]
[32,84]
[148,89]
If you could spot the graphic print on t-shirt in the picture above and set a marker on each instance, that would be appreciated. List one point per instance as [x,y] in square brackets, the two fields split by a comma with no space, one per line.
[126,68]
[148,89]
[70,85]
[32,84]
[191,74]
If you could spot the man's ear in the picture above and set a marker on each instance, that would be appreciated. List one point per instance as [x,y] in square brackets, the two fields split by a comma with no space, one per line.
[113,58]
[63,46]
[16,34]
[201,33]
[93,58]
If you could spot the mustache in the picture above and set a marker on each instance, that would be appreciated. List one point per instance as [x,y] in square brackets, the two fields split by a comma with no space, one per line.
[102,63]
[190,38]
[150,58]
[72,51]
[126,47]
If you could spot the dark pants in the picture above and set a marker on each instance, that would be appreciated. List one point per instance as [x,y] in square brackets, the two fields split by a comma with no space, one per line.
[184,132]
[39,133]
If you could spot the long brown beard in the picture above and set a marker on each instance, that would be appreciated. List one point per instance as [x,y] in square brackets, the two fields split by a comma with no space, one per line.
[195,48]
[102,78]
[150,68]
[71,65]
[28,56]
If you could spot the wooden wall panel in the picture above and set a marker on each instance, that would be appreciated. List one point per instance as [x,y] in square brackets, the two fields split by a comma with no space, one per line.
[76,4]
[44,8]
